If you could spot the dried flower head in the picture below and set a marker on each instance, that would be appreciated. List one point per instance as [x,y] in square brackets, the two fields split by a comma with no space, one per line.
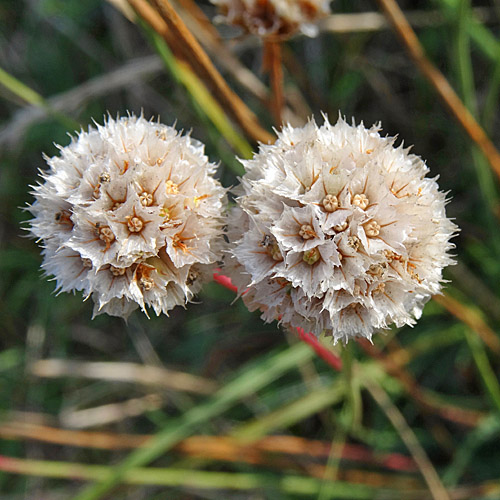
[276,18]
[338,230]
[130,214]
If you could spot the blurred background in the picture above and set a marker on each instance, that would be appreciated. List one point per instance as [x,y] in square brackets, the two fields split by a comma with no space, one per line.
[77,393]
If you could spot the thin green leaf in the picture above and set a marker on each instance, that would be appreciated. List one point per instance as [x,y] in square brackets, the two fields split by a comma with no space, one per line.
[289,484]
[488,429]
[27,94]
[290,414]
[486,372]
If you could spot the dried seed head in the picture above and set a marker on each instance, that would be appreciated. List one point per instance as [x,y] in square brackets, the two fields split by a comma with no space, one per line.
[361,201]
[117,271]
[146,199]
[341,227]
[146,283]
[171,187]
[307,232]
[275,18]
[330,203]
[102,208]
[311,256]
[106,234]
[372,229]
[347,276]
[354,242]
[135,224]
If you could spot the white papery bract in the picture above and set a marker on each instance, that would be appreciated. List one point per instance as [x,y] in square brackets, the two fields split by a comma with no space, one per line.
[336,230]
[275,18]
[130,214]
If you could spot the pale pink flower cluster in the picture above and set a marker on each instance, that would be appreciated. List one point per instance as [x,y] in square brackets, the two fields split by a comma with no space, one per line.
[276,18]
[337,230]
[130,214]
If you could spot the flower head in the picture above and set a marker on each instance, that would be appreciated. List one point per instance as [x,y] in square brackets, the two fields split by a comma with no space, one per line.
[276,18]
[130,214]
[338,230]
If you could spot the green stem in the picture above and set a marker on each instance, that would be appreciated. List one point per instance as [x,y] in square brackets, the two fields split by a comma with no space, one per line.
[28,95]
[332,465]
[353,404]
[488,431]
[465,73]
[290,484]
[490,106]
[485,370]
[21,90]
[295,411]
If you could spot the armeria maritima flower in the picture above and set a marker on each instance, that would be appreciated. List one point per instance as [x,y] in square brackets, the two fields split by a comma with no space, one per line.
[338,230]
[276,18]
[130,214]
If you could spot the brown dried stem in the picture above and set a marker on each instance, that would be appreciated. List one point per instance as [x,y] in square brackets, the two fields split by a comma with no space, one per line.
[148,14]
[209,38]
[272,63]
[124,372]
[440,83]
[224,448]
[472,319]
[205,69]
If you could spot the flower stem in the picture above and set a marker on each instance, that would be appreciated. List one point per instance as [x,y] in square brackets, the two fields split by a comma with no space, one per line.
[272,63]
[353,404]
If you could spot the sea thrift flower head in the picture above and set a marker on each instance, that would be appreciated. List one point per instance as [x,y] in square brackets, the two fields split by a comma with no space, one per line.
[336,230]
[130,214]
[273,18]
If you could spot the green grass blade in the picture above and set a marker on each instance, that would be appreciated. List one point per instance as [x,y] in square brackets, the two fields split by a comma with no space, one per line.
[28,95]
[489,45]
[480,35]
[490,106]
[465,73]
[288,415]
[21,90]
[288,484]
[463,60]
[486,431]
[486,372]
[250,380]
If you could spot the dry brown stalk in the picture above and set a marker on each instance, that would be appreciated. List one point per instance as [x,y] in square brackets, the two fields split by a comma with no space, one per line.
[214,447]
[209,74]
[208,36]
[436,487]
[200,17]
[124,372]
[471,318]
[272,63]
[440,83]
[110,413]
[374,21]
[148,14]
[65,437]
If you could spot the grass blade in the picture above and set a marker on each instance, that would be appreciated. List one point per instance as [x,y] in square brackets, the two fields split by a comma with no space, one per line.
[27,94]
[289,484]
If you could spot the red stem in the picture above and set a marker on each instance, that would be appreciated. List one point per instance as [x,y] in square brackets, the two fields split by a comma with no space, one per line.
[309,338]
